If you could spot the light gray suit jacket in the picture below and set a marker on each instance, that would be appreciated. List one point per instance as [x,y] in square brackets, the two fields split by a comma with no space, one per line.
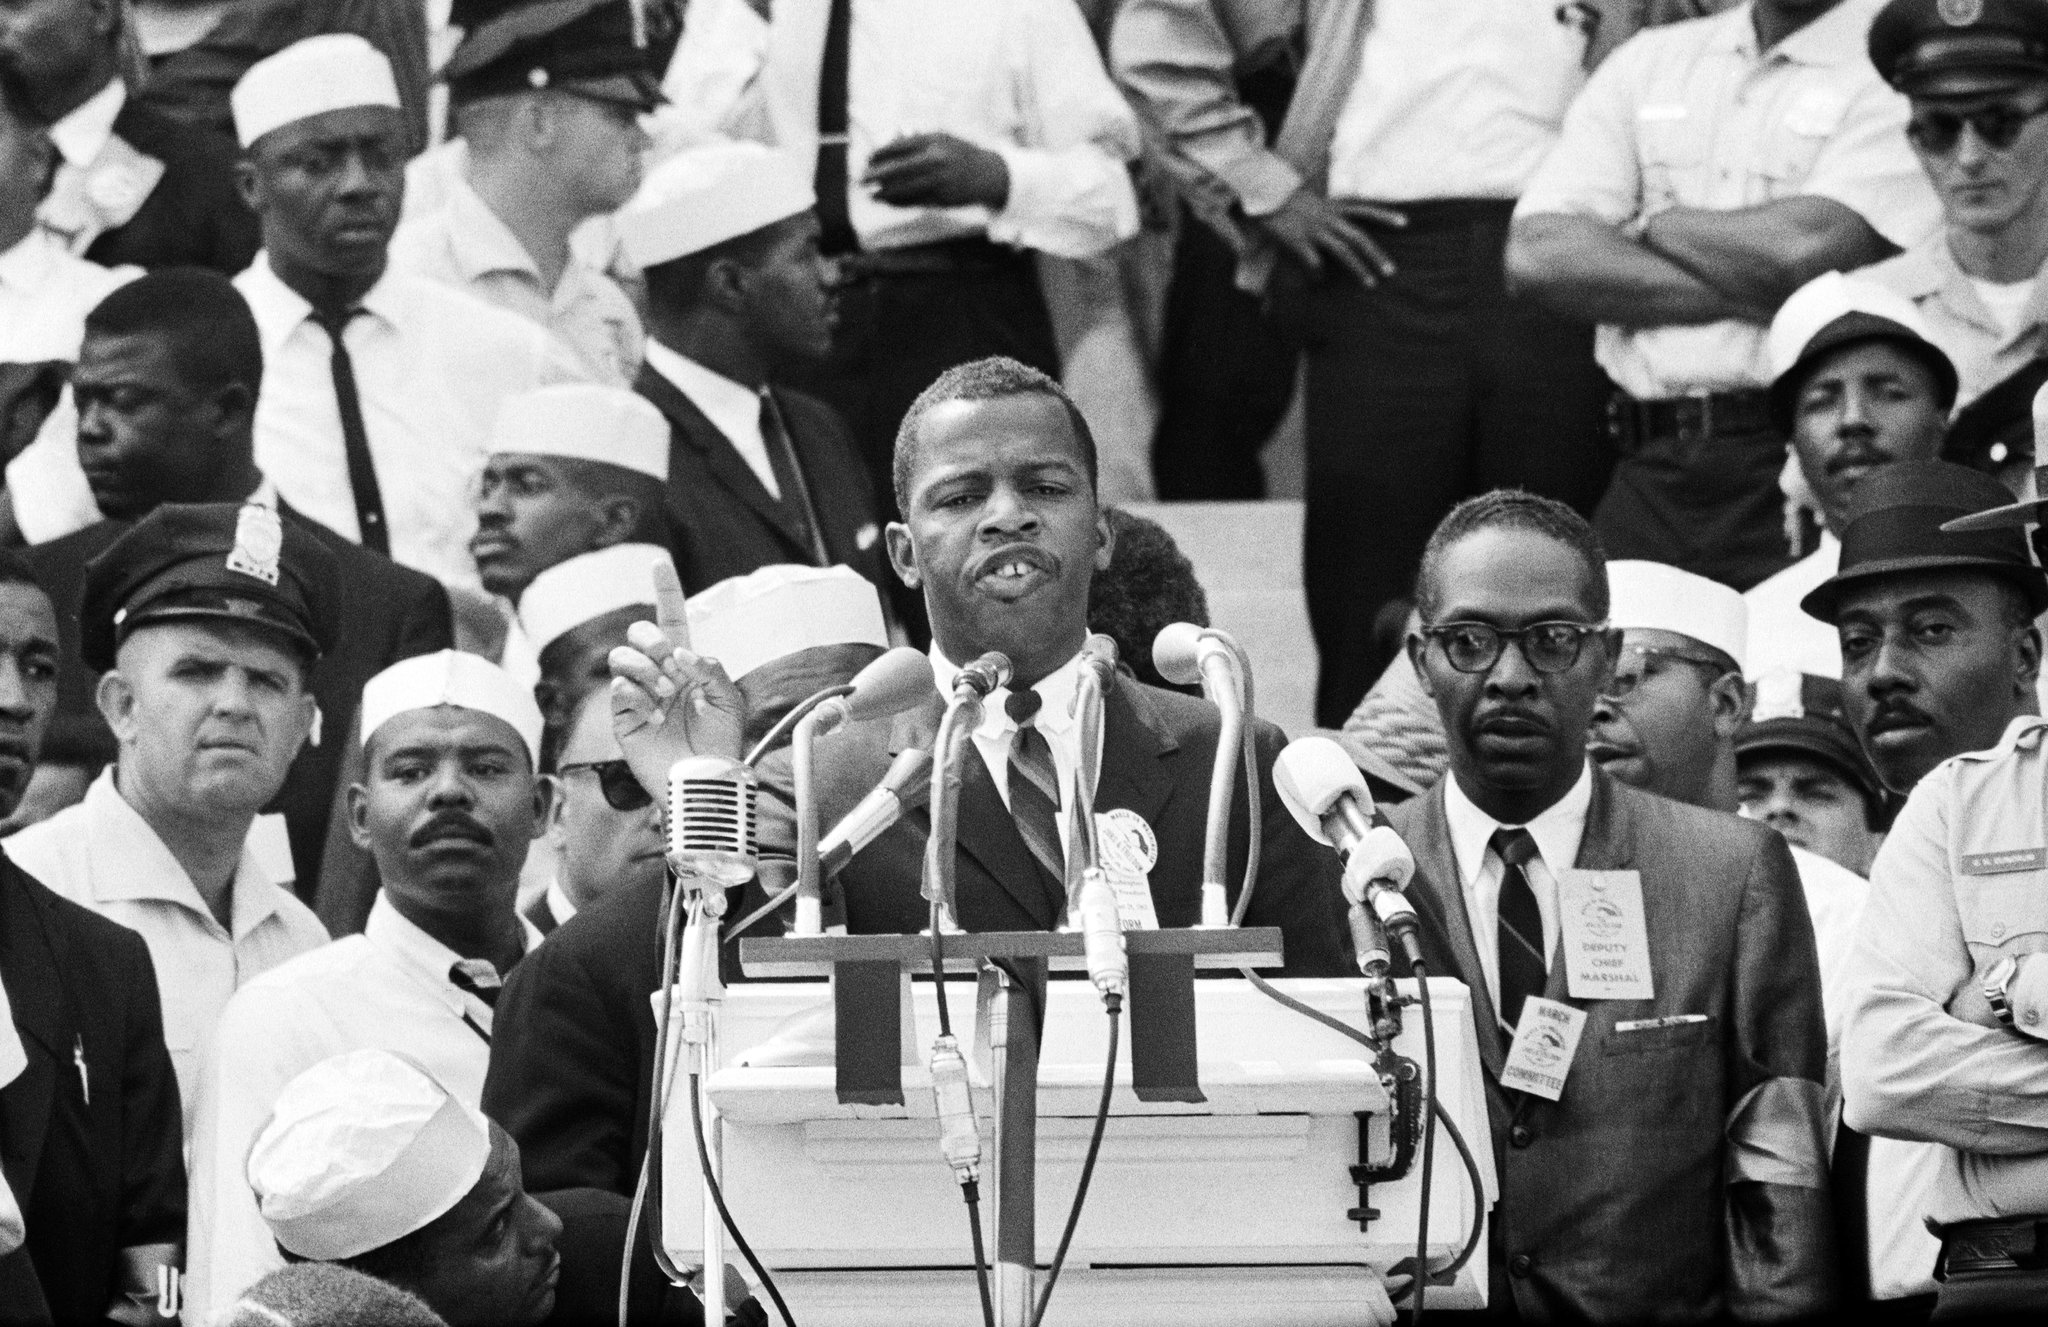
[1683,1173]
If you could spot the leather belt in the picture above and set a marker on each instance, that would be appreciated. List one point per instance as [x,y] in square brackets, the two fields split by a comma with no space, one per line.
[1704,416]
[2019,1245]
[942,258]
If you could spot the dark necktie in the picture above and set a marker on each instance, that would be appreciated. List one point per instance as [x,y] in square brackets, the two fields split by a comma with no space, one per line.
[477,977]
[1524,968]
[1035,793]
[832,180]
[355,439]
[796,494]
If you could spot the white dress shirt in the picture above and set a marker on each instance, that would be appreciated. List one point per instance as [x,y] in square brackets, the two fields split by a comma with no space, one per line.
[103,855]
[560,907]
[733,408]
[1693,115]
[1455,99]
[1055,719]
[45,294]
[1021,78]
[1557,831]
[465,244]
[1783,637]
[386,988]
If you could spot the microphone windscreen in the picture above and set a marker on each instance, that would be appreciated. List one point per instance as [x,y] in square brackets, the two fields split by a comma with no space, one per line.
[1311,774]
[891,684]
[1176,653]
[1099,651]
[910,777]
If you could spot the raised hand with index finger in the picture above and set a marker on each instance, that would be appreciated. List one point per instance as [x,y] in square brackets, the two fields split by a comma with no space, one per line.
[669,703]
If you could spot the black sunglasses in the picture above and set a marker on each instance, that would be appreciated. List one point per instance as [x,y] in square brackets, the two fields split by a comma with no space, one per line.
[1550,647]
[622,792]
[1936,129]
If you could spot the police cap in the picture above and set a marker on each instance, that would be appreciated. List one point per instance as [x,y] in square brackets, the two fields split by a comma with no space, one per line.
[197,562]
[610,50]
[1919,46]
[1803,714]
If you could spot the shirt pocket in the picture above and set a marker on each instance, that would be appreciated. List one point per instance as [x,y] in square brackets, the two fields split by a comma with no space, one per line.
[1663,1078]
[2004,912]
[1794,142]
[1672,145]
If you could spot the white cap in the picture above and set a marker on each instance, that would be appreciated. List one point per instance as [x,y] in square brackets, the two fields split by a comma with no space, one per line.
[586,421]
[589,585]
[705,195]
[451,677]
[1824,299]
[745,621]
[335,71]
[363,1149]
[1650,596]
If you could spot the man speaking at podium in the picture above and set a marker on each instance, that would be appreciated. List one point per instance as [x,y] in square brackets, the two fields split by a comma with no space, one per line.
[1642,971]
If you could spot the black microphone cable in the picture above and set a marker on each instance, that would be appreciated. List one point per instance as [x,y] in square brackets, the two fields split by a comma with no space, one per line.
[1429,1114]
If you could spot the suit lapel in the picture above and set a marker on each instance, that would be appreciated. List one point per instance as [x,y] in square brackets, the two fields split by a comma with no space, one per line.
[1608,844]
[692,428]
[31,965]
[1134,742]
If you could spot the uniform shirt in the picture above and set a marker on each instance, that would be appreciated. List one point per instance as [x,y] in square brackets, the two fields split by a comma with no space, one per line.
[1835,896]
[1558,831]
[1694,115]
[103,855]
[432,365]
[1455,98]
[1783,637]
[386,988]
[1055,719]
[463,243]
[734,409]
[1961,882]
[1971,333]
[1021,78]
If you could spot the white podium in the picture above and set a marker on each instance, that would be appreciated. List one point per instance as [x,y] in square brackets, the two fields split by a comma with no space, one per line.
[1228,1210]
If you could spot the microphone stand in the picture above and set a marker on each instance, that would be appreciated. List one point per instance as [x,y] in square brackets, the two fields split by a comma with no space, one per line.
[702,994]
[1220,671]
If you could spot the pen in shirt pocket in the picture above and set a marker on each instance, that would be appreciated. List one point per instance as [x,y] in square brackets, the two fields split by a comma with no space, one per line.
[1670,1021]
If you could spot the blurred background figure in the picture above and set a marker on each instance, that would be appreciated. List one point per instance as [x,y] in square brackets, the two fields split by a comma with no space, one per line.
[1800,770]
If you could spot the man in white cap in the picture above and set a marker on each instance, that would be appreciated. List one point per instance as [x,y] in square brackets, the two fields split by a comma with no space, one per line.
[380,388]
[448,807]
[1857,384]
[574,613]
[739,301]
[546,101]
[369,1162]
[574,468]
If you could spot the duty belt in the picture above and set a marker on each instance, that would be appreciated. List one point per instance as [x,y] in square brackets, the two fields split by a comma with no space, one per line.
[2019,1245]
[1704,416]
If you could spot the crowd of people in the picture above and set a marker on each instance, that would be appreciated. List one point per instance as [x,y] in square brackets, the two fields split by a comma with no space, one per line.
[423,424]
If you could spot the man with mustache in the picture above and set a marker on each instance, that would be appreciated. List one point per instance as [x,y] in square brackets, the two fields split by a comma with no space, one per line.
[1857,384]
[1678,1169]
[1939,657]
[205,622]
[449,804]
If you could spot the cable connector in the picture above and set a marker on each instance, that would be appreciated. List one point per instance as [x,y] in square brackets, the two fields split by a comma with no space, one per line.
[1102,934]
[959,1138]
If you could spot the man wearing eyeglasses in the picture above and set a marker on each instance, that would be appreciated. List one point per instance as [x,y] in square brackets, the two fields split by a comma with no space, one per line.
[605,830]
[1976,75]
[1678,1169]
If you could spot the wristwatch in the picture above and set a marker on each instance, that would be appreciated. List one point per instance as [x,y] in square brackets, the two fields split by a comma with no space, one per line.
[1997,982]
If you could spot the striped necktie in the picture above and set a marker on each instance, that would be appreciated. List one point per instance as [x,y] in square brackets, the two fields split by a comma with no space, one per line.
[1035,793]
[1524,968]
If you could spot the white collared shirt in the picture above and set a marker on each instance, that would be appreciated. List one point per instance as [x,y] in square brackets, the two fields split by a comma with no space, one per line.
[560,905]
[463,243]
[1055,719]
[82,135]
[1986,345]
[45,293]
[386,988]
[103,855]
[1783,637]
[1455,99]
[1692,114]
[733,408]
[1020,78]
[1558,831]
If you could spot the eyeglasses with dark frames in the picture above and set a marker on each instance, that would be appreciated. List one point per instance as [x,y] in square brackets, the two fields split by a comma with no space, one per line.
[1475,647]
[622,792]
[1937,129]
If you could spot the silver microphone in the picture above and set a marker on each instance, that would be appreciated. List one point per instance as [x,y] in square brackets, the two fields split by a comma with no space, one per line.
[889,685]
[1185,653]
[991,672]
[1327,797]
[904,788]
[714,829]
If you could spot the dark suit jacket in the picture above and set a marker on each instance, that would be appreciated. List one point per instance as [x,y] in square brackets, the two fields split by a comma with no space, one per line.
[722,522]
[1639,1194]
[194,216]
[92,1178]
[388,613]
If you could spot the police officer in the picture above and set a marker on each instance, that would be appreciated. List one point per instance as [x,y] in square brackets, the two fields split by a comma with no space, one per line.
[1976,74]
[205,621]
[1800,770]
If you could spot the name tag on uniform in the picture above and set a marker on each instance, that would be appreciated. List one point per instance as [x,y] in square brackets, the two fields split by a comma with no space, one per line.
[1128,850]
[1999,863]
[1606,947]
[1545,1041]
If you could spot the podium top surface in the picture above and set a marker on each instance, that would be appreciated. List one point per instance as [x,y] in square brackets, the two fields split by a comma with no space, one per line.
[814,955]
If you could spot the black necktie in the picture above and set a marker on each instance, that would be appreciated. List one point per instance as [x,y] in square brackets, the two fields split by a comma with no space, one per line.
[796,494]
[831,180]
[1524,968]
[477,977]
[355,439]
[1035,793]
